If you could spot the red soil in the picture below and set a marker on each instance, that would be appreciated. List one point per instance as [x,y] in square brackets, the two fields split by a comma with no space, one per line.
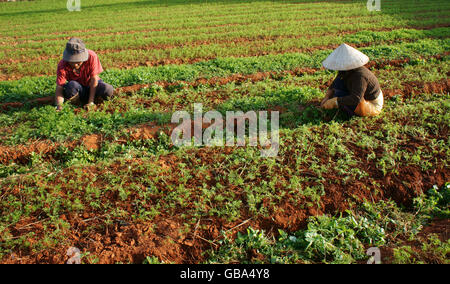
[92,142]
[37,101]
[149,131]
[22,153]
[260,40]
[163,237]
[437,227]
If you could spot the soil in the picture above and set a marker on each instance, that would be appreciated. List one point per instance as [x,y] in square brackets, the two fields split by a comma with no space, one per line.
[169,61]
[107,32]
[163,237]
[409,88]
[92,142]
[21,154]
[150,131]
[438,227]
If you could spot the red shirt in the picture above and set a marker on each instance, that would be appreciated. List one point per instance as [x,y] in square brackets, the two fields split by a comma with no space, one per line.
[88,69]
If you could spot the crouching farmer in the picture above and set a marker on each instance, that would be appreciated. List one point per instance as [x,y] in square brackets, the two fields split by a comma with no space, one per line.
[78,78]
[355,90]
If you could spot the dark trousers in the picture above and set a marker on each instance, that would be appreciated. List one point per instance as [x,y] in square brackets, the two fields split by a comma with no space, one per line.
[103,91]
[340,90]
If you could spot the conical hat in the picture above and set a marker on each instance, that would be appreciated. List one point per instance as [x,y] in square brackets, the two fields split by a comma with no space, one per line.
[345,58]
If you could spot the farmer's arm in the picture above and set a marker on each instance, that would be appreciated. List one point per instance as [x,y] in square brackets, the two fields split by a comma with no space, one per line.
[95,69]
[60,81]
[59,97]
[93,83]
[330,92]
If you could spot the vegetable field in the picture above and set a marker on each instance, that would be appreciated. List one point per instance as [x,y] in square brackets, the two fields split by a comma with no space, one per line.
[110,182]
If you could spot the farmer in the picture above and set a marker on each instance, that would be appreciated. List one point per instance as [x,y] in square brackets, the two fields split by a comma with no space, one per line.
[355,90]
[78,77]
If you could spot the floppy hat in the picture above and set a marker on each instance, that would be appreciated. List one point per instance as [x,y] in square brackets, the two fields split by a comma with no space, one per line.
[75,51]
[345,58]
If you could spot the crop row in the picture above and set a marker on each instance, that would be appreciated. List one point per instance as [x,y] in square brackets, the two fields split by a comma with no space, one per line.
[166,33]
[160,17]
[231,185]
[179,21]
[218,32]
[43,86]
[234,47]
[155,104]
[114,119]
[172,26]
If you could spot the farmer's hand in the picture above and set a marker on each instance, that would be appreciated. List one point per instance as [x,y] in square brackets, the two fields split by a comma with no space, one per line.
[330,93]
[323,101]
[330,104]
[58,108]
[89,107]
